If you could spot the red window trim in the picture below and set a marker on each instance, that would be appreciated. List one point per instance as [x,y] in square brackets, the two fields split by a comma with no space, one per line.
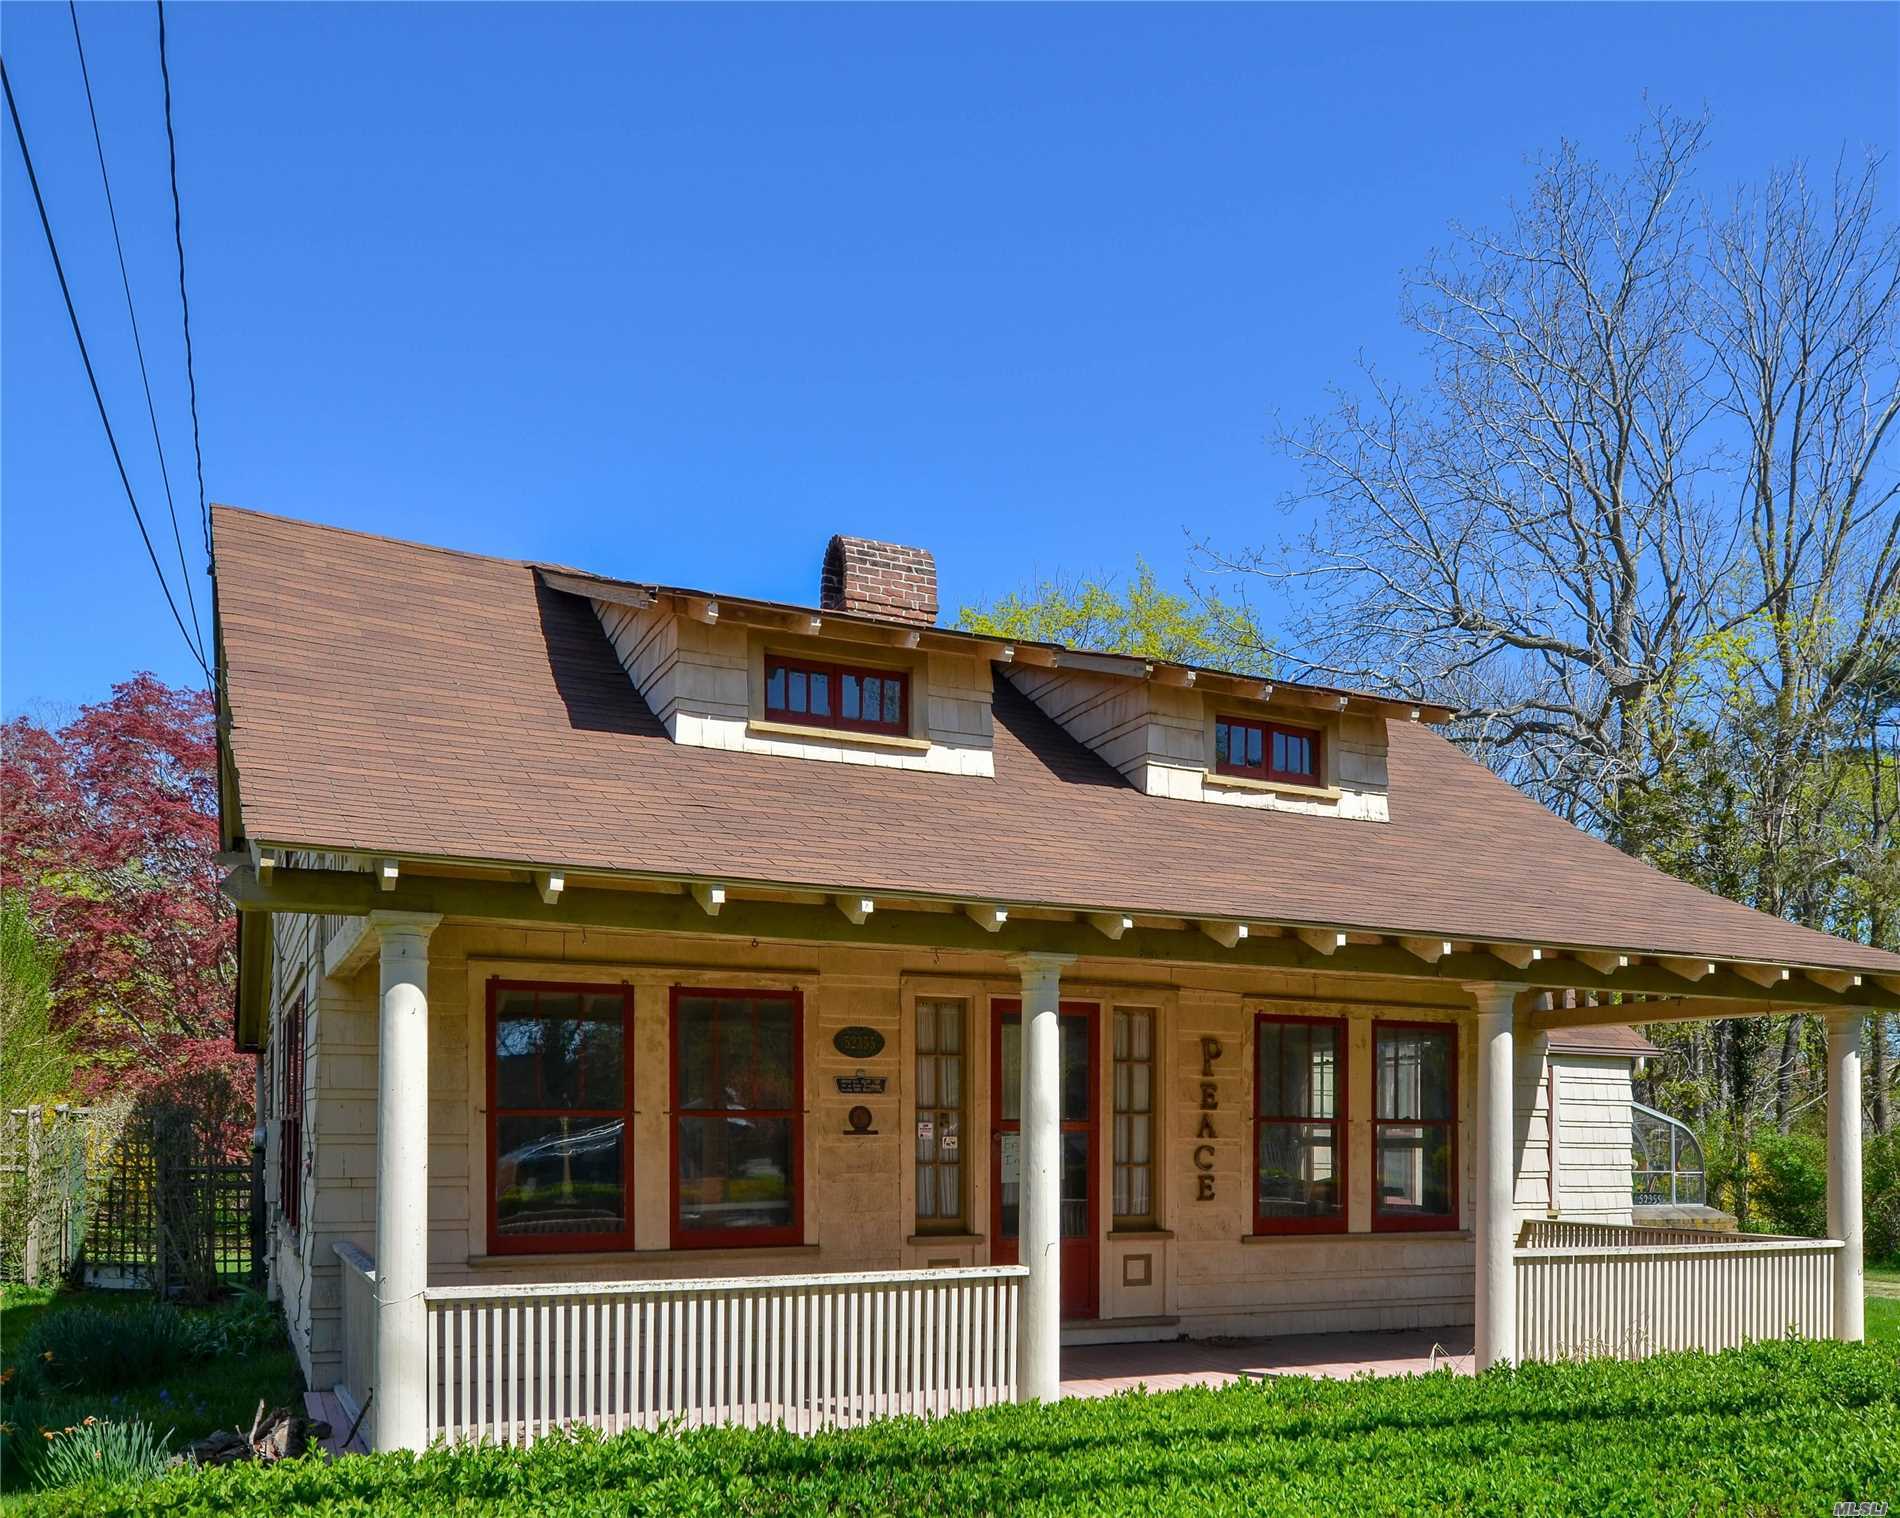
[736,1238]
[1265,770]
[1438,1222]
[1339,1123]
[563,1243]
[290,1124]
[836,718]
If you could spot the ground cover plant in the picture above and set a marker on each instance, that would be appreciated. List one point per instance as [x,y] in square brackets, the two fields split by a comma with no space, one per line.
[1776,1428]
[121,1360]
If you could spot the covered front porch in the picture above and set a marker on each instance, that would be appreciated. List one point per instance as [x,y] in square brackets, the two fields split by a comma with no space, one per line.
[511,1361]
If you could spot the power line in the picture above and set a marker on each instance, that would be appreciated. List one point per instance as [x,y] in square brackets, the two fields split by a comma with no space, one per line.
[184,300]
[138,344]
[72,315]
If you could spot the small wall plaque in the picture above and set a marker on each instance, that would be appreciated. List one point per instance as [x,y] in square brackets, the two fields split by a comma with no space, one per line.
[861,1084]
[858,1042]
[860,1120]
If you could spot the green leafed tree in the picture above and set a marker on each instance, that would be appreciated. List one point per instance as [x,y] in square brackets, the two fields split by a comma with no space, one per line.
[1136,615]
[36,1064]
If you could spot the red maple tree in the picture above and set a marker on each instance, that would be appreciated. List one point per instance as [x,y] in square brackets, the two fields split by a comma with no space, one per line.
[109,830]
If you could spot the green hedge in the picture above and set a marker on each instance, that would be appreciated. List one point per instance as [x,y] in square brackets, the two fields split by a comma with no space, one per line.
[1780,1428]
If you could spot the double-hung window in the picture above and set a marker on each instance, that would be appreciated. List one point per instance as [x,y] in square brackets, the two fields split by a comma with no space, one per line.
[941,1026]
[1134,1193]
[1266,751]
[815,693]
[738,1127]
[560,1117]
[1299,1125]
[290,1124]
[1414,1126]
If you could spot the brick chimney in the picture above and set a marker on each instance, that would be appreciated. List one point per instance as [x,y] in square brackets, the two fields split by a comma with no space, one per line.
[879,580]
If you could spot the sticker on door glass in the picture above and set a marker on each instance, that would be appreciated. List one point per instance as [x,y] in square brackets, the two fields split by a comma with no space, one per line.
[1012,1158]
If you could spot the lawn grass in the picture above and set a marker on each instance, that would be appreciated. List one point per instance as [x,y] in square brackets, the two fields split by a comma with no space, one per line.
[1883,1321]
[190,1404]
[1778,1428]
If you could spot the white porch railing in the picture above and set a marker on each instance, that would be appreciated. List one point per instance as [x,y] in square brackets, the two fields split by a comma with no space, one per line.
[1626,1296]
[359,1331]
[1567,1233]
[512,1363]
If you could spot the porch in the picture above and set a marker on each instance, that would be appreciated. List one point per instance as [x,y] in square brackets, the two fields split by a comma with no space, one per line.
[515,1363]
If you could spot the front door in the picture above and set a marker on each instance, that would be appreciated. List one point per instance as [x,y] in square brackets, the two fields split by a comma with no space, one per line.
[1080,1256]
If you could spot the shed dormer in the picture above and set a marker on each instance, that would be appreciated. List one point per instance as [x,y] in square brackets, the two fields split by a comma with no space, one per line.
[863,678]
[1196,736]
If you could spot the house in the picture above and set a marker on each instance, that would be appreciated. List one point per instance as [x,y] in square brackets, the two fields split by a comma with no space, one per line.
[678,1004]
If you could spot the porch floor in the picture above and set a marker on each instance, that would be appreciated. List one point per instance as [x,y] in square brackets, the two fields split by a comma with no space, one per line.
[1102,1370]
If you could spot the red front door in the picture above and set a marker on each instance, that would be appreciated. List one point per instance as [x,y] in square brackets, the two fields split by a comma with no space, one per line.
[1080,1256]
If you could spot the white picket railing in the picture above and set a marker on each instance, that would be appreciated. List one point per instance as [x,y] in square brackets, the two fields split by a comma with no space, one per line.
[359,1331]
[510,1364]
[1629,1301]
[1571,1233]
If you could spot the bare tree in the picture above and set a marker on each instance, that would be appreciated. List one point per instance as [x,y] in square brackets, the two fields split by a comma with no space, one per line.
[1642,522]
[1530,533]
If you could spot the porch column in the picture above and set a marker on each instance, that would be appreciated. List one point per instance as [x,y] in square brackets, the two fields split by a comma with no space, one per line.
[1844,1030]
[1496,1332]
[1039,1222]
[402,1178]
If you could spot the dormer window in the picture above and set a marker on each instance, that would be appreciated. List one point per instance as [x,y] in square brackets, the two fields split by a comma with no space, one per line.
[1266,751]
[813,693]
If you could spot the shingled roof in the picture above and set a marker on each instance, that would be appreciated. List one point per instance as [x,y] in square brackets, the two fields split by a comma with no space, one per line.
[387,697]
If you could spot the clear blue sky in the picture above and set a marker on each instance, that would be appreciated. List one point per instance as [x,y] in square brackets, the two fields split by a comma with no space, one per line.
[677,293]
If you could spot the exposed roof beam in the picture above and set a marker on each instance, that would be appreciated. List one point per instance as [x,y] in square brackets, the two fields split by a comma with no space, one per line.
[1672,1009]
[387,873]
[1173,674]
[1431,950]
[703,611]
[1834,980]
[1518,955]
[353,893]
[1762,975]
[987,917]
[1321,940]
[1603,964]
[550,883]
[1110,925]
[1688,969]
[265,861]
[1226,934]
[711,898]
[855,908]
[1037,658]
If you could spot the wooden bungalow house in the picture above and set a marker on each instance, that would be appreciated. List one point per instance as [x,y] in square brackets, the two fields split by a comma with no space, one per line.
[682,1005]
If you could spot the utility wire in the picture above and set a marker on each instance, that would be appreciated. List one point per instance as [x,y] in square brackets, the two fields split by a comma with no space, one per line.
[72,315]
[138,344]
[184,300]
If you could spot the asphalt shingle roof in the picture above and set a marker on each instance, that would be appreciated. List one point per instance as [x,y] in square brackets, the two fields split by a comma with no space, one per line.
[389,697]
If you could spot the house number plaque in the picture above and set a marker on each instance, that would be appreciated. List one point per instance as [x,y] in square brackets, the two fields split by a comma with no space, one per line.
[1210,1104]
[858,1042]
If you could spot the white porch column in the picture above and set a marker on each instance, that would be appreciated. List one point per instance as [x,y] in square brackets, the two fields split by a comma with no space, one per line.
[1496,1333]
[402,1178]
[1844,1029]
[1039,1225]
